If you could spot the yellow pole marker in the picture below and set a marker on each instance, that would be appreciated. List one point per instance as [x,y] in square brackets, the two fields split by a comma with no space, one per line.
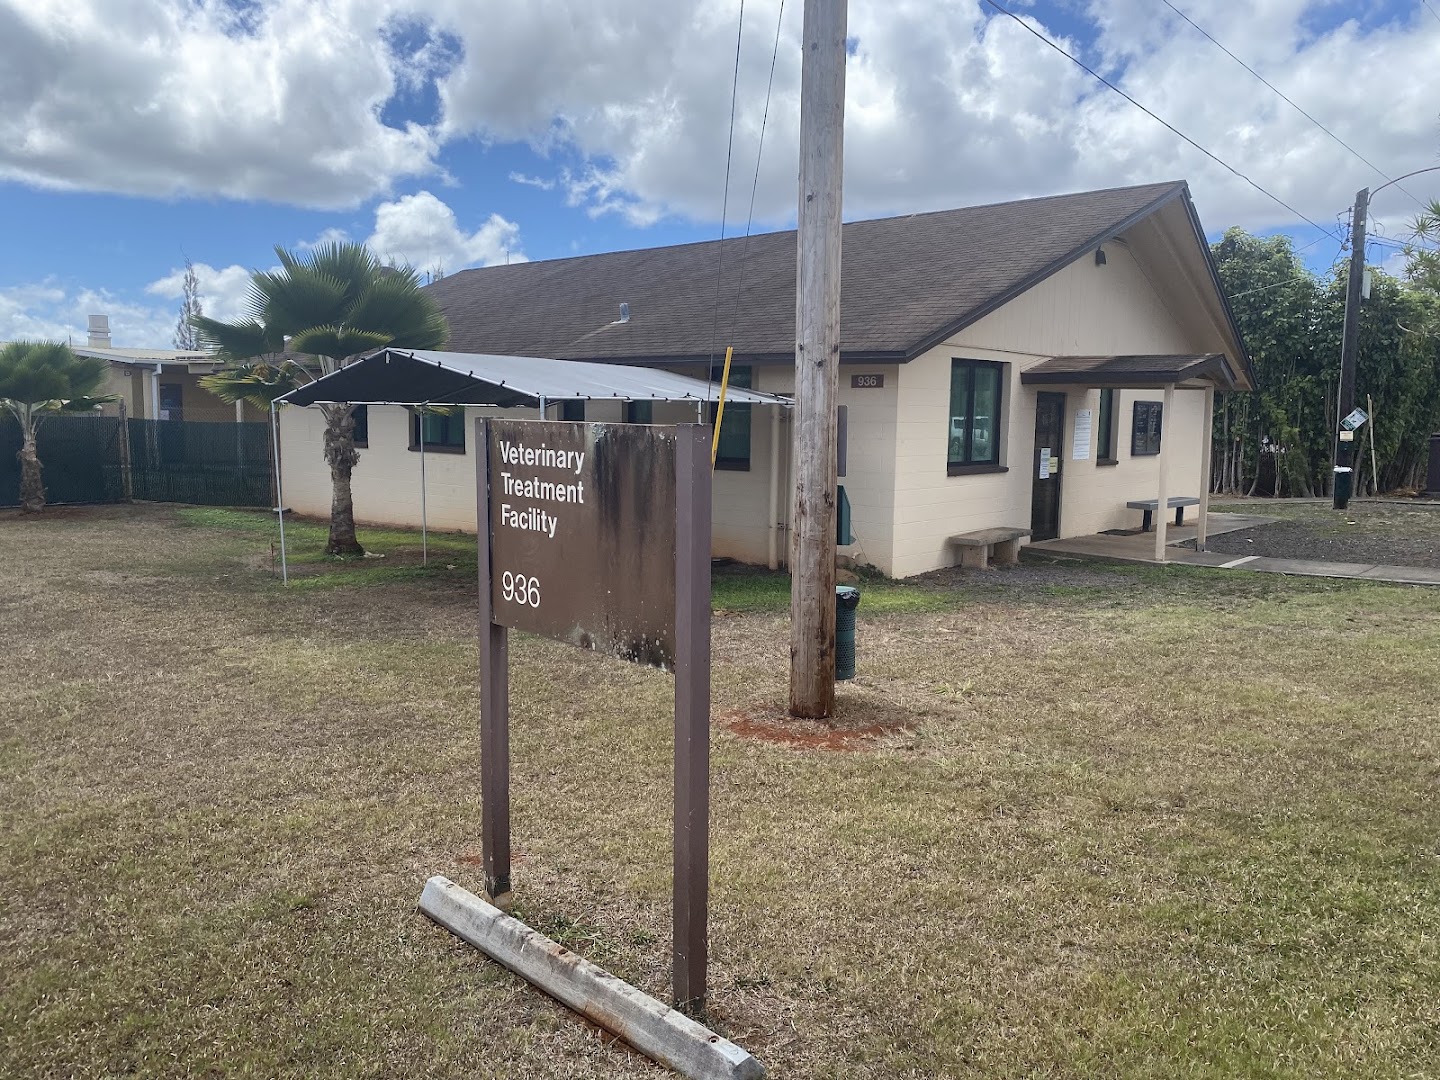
[720,409]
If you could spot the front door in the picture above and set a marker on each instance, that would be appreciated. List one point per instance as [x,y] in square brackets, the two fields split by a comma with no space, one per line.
[1045,466]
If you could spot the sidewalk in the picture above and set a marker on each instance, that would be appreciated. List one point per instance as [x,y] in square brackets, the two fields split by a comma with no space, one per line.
[1140,548]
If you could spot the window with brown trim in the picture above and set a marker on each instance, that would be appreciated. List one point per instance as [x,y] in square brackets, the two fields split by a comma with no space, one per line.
[733,451]
[1145,430]
[1105,449]
[360,414]
[444,432]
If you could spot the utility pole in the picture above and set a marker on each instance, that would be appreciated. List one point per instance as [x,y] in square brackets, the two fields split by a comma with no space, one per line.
[817,360]
[1349,347]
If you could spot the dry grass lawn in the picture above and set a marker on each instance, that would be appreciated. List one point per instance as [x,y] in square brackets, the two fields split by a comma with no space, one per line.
[1142,823]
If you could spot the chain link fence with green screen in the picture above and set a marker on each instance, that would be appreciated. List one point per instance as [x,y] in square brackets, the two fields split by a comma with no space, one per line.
[189,461]
[85,460]
[79,458]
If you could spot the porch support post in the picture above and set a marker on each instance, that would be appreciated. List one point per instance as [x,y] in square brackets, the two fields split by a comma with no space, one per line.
[1162,492]
[1207,434]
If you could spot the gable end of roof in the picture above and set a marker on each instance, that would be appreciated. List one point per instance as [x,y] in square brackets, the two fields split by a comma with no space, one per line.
[1177,190]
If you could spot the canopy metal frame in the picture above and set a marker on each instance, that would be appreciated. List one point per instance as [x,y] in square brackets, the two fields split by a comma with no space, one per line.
[513,382]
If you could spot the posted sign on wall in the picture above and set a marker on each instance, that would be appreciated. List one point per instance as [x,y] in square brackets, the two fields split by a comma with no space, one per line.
[582,526]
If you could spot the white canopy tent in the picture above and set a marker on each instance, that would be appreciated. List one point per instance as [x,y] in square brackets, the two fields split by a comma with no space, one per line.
[427,379]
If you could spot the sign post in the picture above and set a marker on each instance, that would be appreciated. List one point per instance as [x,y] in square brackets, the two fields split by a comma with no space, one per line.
[599,535]
[692,717]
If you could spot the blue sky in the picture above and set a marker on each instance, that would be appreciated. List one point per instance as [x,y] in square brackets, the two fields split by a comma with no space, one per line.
[212,131]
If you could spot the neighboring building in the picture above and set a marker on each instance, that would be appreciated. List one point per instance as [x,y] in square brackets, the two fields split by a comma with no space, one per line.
[971,341]
[160,384]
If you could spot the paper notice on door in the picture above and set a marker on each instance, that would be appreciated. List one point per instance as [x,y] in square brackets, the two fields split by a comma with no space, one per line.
[1044,463]
[1083,428]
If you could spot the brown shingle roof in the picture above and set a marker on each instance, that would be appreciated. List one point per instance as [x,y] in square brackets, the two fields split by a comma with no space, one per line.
[909,282]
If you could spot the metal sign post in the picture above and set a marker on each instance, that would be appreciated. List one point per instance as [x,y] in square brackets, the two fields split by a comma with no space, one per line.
[599,535]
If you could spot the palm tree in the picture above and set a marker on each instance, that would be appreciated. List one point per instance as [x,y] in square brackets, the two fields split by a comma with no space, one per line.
[312,317]
[1422,253]
[38,379]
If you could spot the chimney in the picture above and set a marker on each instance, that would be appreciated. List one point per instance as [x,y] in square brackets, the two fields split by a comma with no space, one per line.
[99,331]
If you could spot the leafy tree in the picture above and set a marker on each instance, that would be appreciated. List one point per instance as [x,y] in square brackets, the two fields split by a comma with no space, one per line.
[1396,367]
[1275,299]
[38,379]
[1280,439]
[186,336]
[314,316]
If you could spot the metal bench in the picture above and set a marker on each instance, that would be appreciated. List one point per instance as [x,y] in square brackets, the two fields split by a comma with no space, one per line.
[975,547]
[1175,502]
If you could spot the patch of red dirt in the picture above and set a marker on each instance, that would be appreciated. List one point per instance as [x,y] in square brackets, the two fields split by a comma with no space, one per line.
[807,734]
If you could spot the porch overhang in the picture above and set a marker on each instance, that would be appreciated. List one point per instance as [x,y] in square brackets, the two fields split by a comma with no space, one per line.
[1137,372]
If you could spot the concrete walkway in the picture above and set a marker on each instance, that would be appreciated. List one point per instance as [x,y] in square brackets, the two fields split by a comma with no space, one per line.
[1140,548]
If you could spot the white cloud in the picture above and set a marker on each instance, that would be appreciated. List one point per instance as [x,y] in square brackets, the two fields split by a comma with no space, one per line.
[292,100]
[222,292]
[419,230]
[532,181]
[279,101]
[422,231]
[54,311]
[947,106]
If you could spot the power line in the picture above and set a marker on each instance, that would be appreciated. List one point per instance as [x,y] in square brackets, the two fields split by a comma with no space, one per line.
[1430,9]
[1291,277]
[755,184]
[725,198]
[1282,95]
[1171,127]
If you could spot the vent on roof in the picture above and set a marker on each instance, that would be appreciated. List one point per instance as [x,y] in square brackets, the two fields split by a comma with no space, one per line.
[624,314]
[99,330]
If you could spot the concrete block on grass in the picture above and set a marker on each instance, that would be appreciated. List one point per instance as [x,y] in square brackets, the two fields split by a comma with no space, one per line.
[656,1030]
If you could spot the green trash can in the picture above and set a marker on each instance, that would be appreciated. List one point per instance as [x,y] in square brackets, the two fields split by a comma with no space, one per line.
[847,599]
[1344,486]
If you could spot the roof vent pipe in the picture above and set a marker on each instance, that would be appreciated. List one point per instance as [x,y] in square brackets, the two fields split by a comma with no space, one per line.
[624,313]
[99,332]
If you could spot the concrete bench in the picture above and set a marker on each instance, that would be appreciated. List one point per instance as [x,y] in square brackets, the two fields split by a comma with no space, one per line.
[1175,502]
[976,547]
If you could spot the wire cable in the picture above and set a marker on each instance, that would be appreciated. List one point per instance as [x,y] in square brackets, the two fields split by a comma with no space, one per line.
[1279,93]
[1291,277]
[1431,9]
[1171,127]
[725,200]
[755,183]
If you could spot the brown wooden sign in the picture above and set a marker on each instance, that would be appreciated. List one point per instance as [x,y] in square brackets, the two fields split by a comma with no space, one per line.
[582,528]
[599,534]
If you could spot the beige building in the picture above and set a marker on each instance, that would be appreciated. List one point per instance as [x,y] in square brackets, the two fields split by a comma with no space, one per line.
[159,384]
[1034,365]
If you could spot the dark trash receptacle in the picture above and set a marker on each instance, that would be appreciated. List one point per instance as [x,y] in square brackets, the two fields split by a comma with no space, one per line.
[1344,486]
[847,599]
[1432,475]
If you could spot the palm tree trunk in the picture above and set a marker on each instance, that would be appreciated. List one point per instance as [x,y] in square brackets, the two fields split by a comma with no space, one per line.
[341,455]
[32,488]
